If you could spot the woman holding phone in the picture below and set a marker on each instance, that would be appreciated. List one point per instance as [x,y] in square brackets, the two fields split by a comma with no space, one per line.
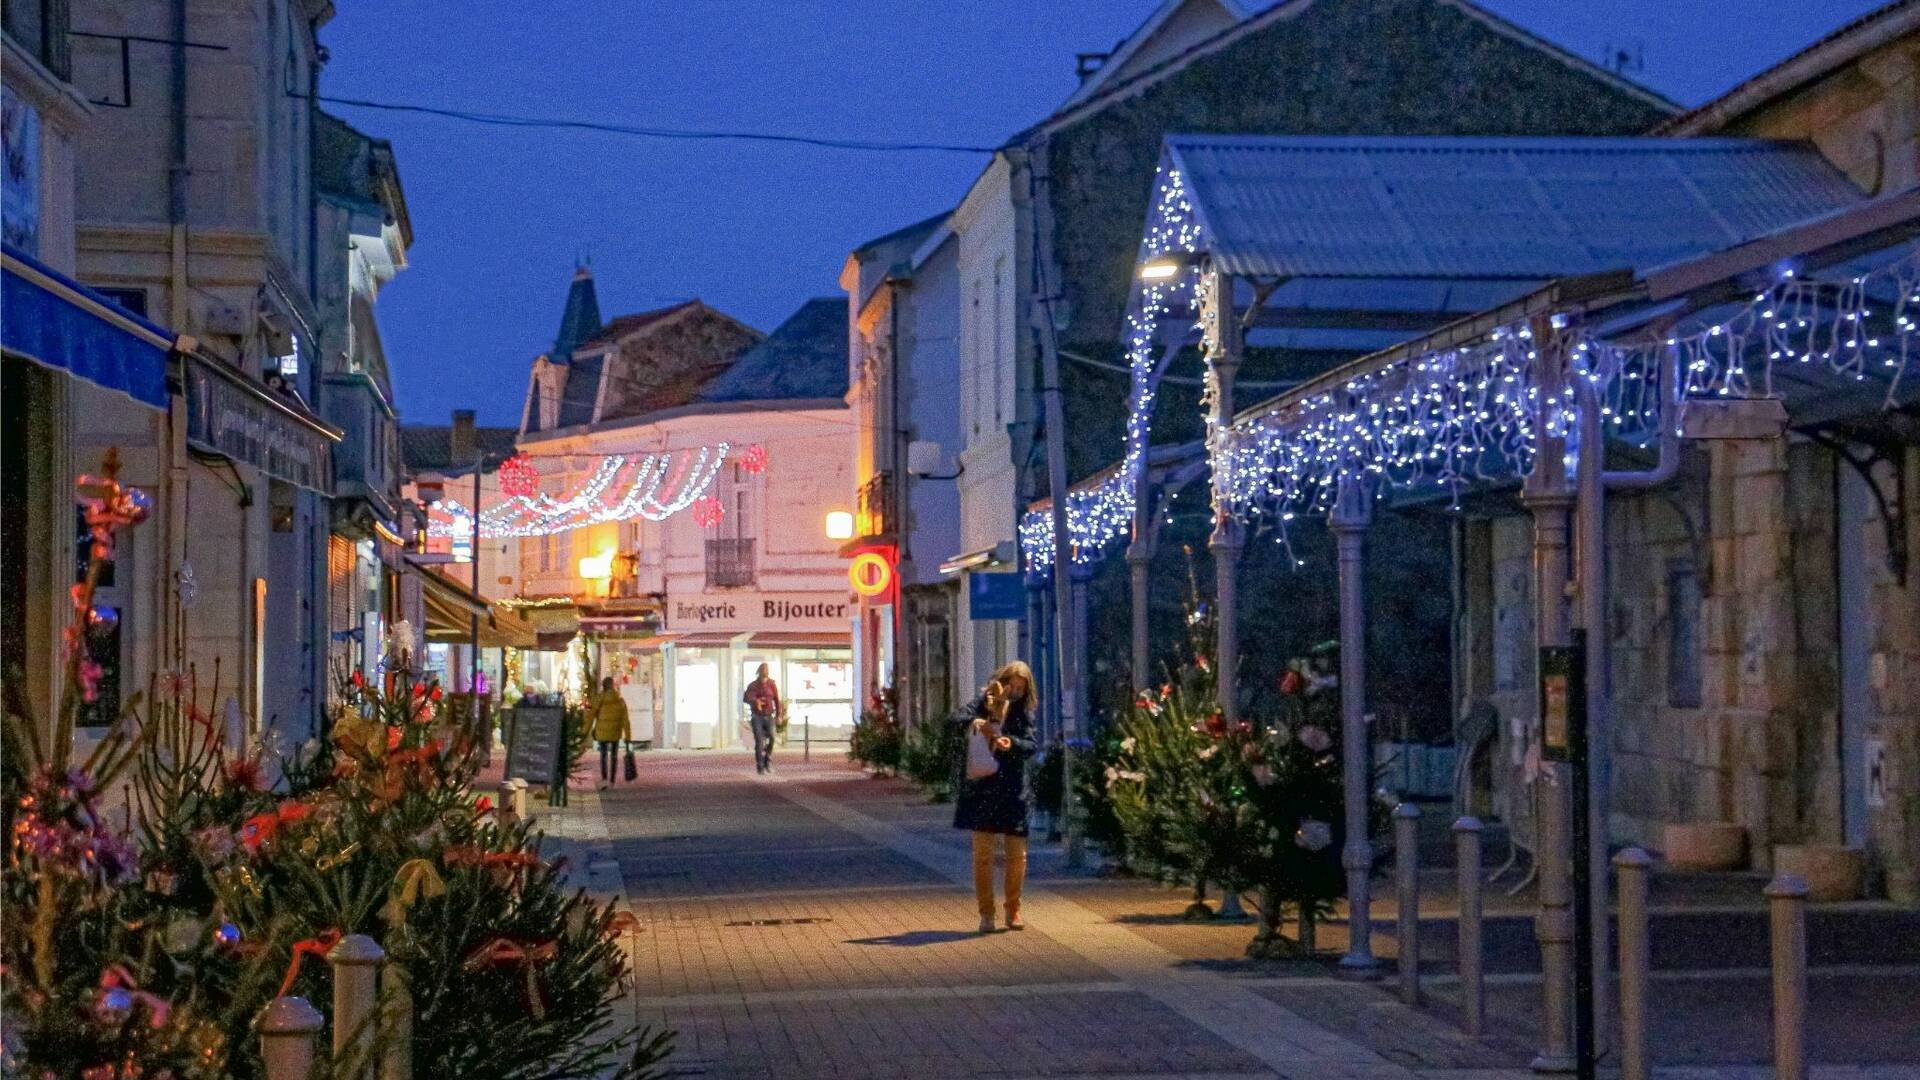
[994,804]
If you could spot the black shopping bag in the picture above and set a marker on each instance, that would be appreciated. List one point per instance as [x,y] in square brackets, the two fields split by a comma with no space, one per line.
[631,770]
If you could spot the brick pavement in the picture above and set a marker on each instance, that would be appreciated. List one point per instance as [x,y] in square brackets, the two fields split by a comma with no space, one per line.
[819,924]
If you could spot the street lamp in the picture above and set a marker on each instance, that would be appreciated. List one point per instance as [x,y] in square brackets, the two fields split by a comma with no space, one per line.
[839,525]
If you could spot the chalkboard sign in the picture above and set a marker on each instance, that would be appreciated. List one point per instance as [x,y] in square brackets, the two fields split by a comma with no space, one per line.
[536,745]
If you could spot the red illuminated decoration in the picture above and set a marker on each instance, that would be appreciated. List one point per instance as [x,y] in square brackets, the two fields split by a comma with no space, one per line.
[519,478]
[754,459]
[707,511]
[872,574]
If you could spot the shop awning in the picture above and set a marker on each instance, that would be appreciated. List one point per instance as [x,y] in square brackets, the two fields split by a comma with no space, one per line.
[450,608]
[706,641]
[233,416]
[53,320]
[801,639]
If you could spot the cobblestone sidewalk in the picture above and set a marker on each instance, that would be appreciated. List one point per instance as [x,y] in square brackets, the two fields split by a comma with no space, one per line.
[820,924]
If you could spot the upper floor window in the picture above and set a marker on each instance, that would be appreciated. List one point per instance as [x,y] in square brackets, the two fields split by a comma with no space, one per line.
[40,27]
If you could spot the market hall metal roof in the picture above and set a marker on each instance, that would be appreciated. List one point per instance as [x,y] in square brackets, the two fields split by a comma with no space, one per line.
[1489,207]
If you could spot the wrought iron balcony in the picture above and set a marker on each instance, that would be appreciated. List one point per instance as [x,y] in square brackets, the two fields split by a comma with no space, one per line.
[729,563]
[875,515]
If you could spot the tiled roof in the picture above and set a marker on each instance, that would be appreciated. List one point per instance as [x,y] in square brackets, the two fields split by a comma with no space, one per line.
[426,447]
[805,357]
[622,325]
[1490,207]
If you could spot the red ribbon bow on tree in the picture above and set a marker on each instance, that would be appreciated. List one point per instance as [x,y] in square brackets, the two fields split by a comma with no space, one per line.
[317,946]
[501,951]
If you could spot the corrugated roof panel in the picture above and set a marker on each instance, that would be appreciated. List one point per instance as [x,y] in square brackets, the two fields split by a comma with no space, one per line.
[1491,207]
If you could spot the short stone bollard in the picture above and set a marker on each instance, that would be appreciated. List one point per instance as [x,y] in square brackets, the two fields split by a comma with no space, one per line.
[1636,959]
[356,997]
[505,806]
[288,1027]
[1466,862]
[1787,899]
[1406,862]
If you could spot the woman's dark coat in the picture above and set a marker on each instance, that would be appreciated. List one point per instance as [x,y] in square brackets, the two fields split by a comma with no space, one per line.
[997,803]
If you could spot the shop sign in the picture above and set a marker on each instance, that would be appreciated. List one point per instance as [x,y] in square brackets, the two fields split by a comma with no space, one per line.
[244,424]
[20,193]
[996,596]
[746,611]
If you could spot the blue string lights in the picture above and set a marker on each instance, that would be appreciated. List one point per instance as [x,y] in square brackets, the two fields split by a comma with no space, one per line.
[1099,515]
[1449,419]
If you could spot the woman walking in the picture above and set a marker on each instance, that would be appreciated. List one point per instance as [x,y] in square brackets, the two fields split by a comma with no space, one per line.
[994,804]
[609,729]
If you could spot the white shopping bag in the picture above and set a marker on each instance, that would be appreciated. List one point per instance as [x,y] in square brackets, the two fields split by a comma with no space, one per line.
[980,760]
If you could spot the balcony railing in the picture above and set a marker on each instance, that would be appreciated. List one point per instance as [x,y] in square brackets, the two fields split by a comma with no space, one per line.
[876,505]
[729,563]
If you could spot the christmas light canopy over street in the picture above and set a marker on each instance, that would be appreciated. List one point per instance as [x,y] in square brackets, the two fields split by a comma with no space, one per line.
[619,487]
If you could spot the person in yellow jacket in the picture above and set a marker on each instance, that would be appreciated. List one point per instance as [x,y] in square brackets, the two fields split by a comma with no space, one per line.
[608,712]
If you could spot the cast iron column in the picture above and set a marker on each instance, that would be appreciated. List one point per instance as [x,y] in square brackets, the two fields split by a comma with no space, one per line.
[1546,494]
[1220,344]
[1352,513]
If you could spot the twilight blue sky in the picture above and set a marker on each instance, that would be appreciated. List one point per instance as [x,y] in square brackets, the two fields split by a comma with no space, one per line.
[500,214]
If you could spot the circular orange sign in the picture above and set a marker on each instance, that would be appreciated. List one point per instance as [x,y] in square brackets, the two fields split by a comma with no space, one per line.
[870,574]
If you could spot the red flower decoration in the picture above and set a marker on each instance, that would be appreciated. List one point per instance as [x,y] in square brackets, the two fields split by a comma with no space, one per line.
[518,477]
[707,511]
[1292,682]
[754,459]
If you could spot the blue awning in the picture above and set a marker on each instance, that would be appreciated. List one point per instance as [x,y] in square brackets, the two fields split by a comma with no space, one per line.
[54,320]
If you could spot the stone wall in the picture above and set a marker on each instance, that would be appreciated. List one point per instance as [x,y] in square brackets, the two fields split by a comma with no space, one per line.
[1727,680]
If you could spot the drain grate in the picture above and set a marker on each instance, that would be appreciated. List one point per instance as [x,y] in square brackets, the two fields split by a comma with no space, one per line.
[807,920]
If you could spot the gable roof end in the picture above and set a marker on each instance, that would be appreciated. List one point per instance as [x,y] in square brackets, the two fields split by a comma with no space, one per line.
[1818,60]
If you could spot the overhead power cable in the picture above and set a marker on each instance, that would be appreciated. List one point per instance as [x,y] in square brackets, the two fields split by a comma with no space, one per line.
[685,134]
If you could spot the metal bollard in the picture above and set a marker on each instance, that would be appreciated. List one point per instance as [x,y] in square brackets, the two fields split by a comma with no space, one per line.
[1636,961]
[1406,862]
[356,973]
[396,1027]
[1466,864]
[1787,897]
[1230,905]
[287,1030]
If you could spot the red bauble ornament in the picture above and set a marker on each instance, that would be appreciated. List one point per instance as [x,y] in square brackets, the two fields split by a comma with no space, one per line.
[518,477]
[707,511]
[754,459]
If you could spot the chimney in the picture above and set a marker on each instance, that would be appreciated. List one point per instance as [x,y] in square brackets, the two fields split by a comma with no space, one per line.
[1086,63]
[461,449]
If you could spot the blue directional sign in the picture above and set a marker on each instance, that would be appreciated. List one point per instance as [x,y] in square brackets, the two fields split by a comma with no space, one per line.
[996,596]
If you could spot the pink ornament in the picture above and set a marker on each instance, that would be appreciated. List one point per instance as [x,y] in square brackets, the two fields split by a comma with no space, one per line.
[519,478]
[707,511]
[754,459]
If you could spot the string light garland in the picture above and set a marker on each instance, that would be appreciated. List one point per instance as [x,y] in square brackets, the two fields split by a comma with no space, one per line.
[1451,418]
[1448,419]
[619,488]
[1099,515]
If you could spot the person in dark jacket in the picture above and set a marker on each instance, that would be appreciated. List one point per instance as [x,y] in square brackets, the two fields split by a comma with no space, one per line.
[996,805]
[763,713]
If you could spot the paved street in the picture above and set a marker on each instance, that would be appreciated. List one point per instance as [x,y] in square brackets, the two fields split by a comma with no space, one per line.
[819,924]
